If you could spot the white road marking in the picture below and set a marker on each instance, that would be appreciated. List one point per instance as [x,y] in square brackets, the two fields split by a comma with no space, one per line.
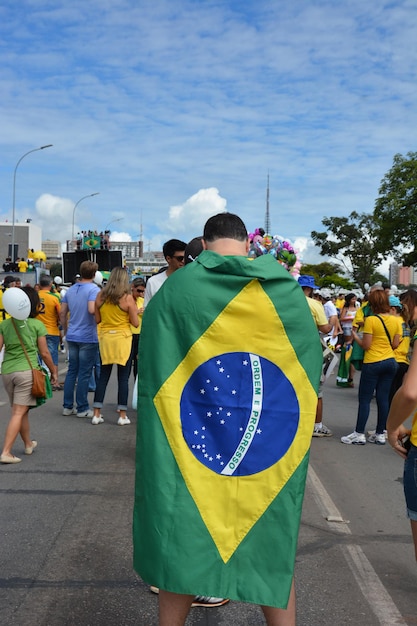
[374,592]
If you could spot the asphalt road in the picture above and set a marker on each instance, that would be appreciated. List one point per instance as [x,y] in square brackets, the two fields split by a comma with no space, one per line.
[65,529]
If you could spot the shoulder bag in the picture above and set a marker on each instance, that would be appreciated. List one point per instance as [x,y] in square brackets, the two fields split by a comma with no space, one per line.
[38,376]
[386,329]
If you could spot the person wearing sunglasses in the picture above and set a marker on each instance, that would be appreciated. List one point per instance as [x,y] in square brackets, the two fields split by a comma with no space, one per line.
[174,254]
[138,287]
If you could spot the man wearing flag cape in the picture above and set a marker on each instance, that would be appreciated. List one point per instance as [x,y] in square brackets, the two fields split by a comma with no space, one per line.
[229,367]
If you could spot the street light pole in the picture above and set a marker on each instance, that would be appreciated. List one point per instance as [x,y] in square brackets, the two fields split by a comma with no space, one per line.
[14,194]
[119,219]
[90,195]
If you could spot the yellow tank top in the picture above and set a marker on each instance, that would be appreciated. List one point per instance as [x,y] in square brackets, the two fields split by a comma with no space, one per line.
[113,317]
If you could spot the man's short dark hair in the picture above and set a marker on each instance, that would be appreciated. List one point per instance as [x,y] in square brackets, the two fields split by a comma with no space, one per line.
[172,246]
[45,280]
[193,249]
[225,226]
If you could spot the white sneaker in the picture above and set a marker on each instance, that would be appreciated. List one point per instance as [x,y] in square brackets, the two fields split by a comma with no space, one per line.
[379,439]
[322,431]
[89,413]
[97,419]
[69,411]
[358,438]
[123,421]
[372,432]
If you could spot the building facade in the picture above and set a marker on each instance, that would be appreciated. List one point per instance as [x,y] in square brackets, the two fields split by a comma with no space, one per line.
[27,236]
[52,249]
[402,275]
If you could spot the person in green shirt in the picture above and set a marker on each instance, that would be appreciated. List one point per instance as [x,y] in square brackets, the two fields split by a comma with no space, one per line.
[17,373]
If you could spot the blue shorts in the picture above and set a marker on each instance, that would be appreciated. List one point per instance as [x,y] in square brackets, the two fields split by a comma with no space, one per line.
[410,483]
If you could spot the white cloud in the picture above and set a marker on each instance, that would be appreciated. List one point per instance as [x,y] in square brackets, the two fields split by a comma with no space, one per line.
[120,236]
[188,219]
[54,216]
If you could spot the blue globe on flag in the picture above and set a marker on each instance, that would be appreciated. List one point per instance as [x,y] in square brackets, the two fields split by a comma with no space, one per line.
[239,413]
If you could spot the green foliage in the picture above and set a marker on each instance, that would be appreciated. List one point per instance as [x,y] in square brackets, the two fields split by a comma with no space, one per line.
[55,269]
[395,211]
[352,241]
[321,270]
[377,277]
[326,273]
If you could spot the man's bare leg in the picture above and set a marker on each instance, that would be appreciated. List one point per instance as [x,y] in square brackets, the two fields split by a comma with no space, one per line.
[173,608]
[281,617]
[319,411]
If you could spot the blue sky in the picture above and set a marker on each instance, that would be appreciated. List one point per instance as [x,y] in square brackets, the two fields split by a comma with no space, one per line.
[174,111]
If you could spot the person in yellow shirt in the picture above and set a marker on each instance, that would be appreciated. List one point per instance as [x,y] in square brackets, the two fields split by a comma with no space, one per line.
[382,333]
[116,311]
[50,308]
[401,353]
[138,287]
[340,301]
[404,440]
[22,265]
[308,285]
[9,281]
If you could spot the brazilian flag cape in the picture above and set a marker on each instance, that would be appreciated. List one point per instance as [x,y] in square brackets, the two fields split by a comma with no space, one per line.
[229,366]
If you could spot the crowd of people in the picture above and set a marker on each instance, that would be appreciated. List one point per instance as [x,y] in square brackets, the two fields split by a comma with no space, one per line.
[377,334]
[22,264]
[102,326]
[383,330]
[93,239]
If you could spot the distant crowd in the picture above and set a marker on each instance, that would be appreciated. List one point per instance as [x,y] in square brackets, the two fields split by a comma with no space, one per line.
[22,265]
[92,239]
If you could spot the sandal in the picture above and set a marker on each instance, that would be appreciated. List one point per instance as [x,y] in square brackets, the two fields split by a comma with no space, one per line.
[5,458]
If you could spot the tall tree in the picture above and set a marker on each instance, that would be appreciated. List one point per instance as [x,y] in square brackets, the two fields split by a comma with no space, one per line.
[352,241]
[395,211]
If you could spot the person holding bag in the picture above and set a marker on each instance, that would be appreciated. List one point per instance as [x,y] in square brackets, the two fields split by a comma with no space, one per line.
[23,339]
[382,333]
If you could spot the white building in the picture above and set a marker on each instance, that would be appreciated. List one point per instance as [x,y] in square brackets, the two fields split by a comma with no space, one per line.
[27,236]
[52,249]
